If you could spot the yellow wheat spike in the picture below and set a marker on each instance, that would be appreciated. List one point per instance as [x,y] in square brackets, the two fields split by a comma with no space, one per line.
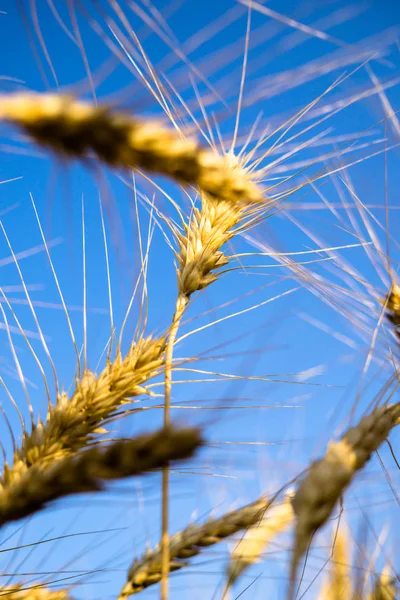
[275,519]
[328,478]
[86,471]
[38,592]
[75,128]
[338,585]
[385,587]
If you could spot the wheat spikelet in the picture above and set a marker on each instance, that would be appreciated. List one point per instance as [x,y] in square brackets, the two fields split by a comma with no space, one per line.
[327,478]
[146,571]
[72,422]
[249,549]
[338,586]
[20,592]
[74,128]
[86,471]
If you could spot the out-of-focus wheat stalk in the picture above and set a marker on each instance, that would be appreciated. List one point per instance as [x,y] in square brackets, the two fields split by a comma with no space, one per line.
[74,128]
[328,478]
[32,489]
[250,548]
[147,570]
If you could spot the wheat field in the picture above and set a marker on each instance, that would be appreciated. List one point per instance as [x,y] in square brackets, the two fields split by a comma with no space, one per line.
[200,305]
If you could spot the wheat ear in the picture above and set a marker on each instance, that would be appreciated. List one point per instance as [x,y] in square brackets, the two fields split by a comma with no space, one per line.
[87,470]
[75,128]
[74,420]
[250,548]
[385,587]
[338,585]
[146,571]
[34,592]
[328,478]
[392,307]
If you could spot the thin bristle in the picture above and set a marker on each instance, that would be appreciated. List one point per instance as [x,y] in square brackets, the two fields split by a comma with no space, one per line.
[146,571]
[75,128]
[87,471]
[250,548]
[328,478]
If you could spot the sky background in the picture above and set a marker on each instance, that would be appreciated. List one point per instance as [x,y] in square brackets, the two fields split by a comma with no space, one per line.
[299,358]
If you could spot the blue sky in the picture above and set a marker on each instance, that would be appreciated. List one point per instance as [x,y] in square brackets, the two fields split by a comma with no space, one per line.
[288,414]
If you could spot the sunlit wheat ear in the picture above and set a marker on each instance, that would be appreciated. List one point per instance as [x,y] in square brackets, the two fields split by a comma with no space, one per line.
[257,538]
[199,253]
[74,420]
[189,542]
[338,585]
[21,592]
[75,128]
[392,306]
[29,491]
[385,588]
[328,478]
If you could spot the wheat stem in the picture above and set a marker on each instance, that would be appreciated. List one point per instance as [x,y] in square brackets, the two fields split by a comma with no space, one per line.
[179,311]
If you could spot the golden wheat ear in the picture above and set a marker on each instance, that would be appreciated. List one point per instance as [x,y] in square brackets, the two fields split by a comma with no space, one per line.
[386,587]
[34,592]
[75,128]
[257,537]
[189,542]
[392,307]
[328,478]
[338,585]
[88,470]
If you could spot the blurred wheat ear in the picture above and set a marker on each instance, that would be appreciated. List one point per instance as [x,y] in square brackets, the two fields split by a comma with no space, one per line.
[328,478]
[87,470]
[73,128]
[34,592]
[190,542]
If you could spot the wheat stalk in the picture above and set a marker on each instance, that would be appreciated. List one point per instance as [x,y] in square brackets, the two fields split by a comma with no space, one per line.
[74,128]
[249,549]
[328,478]
[86,471]
[147,570]
[200,258]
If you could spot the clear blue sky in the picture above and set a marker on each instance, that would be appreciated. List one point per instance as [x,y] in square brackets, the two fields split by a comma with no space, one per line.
[312,374]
